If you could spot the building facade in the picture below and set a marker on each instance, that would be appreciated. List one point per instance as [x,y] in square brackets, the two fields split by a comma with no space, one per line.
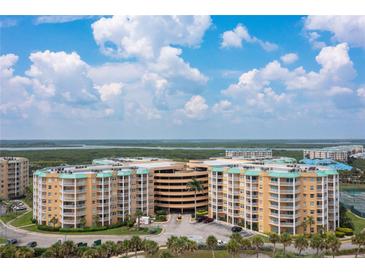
[250,153]
[172,191]
[338,153]
[274,198]
[14,177]
[112,190]
[262,195]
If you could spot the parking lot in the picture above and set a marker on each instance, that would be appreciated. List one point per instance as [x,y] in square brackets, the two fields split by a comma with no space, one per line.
[197,231]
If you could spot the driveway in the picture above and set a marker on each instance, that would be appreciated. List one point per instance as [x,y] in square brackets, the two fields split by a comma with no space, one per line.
[197,231]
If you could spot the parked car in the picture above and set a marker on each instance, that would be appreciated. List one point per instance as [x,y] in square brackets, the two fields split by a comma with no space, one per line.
[221,243]
[96,243]
[200,219]
[32,244]
[12,241]
[81,244]
[208,220]
[236,229]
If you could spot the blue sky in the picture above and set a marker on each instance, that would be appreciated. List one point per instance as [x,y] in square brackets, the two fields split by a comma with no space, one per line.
[182,77]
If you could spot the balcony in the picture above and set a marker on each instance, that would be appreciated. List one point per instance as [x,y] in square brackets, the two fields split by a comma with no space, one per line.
[73,198]
[63,206]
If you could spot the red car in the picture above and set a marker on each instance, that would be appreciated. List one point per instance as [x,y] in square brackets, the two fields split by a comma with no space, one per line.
[208,220]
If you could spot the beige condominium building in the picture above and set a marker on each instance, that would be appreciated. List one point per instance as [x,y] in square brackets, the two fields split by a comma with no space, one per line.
[250,153]
[111,190]
[338,153]
[273,196]
[14,177]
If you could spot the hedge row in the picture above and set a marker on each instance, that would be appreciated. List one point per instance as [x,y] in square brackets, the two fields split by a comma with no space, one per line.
[85,229]
[345,230]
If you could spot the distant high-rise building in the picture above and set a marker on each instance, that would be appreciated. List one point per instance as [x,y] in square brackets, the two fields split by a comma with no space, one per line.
[338,153]
[250,153]
[14,177]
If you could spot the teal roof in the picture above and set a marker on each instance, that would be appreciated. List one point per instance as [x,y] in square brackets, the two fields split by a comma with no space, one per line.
[321,173]
[103,162]
[283,174]
[104,175]
[218,169]
[234,170]
[331,172]
[142,171]
[124,172]
[72,176]
[252,172]
[40,173]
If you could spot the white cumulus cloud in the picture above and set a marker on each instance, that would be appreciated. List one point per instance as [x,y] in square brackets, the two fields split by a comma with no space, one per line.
[144,36]
[289,58]
[349,29]
[196,107]
[234,38]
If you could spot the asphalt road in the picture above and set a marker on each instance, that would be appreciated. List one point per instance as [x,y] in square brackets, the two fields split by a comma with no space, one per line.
[195,231]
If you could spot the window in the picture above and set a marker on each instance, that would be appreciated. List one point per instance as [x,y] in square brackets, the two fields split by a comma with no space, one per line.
[312,196]
[312,203]
[49,187]
[311,187]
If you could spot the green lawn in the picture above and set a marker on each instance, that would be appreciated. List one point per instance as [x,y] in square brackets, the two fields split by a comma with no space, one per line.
[359,223]
[10,216]
[3,240]
[113,231]
[352,186]
[25,219]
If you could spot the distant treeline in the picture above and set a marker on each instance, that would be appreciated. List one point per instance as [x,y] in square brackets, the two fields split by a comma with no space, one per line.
[44,158]
[290,143]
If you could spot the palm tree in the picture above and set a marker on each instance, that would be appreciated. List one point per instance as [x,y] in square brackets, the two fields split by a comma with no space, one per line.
[258,243]
[236,237]
[108,249]
[333,243]
[285,239]
[150,247]
[123,247]
[359,240]
[300,242]
[166,254]
[274,238]
[7,251]
[24,252]
[212,243]
[317,243]
[135,244]
[233,247]
[54,222]
[305,225]
[195,186]
[68,249]
[82,222]
[96,220]
[310,221]
[245,244]
[90,253]
[139,214]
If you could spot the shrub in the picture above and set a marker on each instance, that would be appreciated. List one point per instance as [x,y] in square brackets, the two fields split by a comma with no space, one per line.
[34,221]
[161,212]
[347,231]
[48,228]
[160,218]
[340,234]
[153,230]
